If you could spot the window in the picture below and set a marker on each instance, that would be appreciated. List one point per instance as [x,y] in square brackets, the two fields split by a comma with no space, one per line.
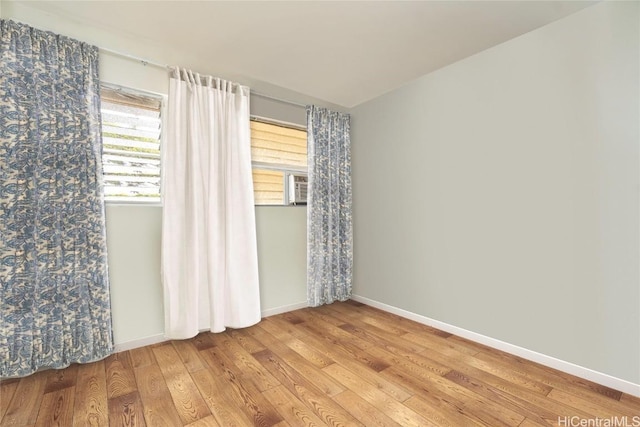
[279,158]
[131,126]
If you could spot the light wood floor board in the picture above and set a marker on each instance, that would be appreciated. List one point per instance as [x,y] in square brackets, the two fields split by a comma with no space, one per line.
[57,408]
[345,364]
[91,406]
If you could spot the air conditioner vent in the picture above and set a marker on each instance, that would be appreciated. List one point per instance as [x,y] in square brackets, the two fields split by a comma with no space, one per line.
[298,189]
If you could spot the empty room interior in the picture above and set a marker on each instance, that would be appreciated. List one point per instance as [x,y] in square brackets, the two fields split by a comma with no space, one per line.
[341,213]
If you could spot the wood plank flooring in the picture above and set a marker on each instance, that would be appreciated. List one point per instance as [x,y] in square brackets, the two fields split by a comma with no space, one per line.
[345,364]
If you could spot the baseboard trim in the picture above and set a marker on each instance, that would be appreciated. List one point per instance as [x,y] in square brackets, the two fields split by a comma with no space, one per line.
[551,362]
[284,309]
[130,345]
[155,339]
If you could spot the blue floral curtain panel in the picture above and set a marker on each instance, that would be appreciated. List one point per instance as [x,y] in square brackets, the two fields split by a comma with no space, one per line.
[329,224]
[54,294]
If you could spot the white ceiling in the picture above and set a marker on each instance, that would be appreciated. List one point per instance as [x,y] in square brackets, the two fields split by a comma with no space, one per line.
[341,52]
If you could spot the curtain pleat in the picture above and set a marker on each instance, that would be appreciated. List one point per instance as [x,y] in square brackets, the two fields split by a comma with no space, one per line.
[54,302]
[209,248]
[329,200]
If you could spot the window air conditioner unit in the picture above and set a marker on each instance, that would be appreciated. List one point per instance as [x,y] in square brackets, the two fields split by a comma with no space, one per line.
[298,189]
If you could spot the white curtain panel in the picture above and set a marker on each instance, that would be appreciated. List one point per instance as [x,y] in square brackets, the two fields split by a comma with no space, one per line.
[209,250]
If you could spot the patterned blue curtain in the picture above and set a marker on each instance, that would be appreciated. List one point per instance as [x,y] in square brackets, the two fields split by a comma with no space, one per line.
[54,292]
[329,225]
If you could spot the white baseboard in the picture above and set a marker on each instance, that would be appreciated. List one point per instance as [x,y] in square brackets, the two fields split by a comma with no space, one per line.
[130,345]
[551,362]
[155,339]
[284,309]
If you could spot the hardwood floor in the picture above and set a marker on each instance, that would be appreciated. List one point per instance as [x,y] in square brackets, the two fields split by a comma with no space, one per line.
[345,364]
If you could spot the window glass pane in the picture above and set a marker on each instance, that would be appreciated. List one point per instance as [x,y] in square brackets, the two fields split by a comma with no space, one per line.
[278,145]
[268,187]
[131,126]
[278,154]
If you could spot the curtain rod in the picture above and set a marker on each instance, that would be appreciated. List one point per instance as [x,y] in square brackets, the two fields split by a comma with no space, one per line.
[273,98]
[135,58]
[146,62]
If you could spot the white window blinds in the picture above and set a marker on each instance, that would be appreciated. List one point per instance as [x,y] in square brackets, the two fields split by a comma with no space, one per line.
[131,126]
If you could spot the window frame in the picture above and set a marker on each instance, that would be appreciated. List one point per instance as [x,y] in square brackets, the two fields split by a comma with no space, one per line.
[162,98]
[287,170]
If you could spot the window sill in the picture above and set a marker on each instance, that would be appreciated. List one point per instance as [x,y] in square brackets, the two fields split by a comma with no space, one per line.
[143,203]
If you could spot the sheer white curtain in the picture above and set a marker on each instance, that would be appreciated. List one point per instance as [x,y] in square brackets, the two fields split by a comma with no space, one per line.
[209,251]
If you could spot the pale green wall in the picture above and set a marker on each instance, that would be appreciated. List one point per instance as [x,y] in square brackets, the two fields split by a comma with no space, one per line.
[282,255]
[500,194]
[133,238]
